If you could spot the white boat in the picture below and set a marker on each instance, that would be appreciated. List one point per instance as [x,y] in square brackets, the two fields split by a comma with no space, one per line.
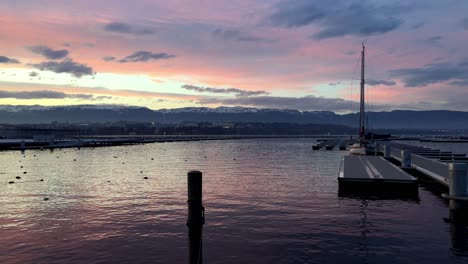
[360,148]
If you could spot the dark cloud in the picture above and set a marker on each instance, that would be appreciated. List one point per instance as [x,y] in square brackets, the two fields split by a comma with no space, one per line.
[101,97]
[462,83]
[236,91]
[463,63]
[433,73]
[67,66]
[89,45]
[44,94]
[124,28]
[297,14]
[339,19]
[418,25]
[373,82]
[350,52]
[144,56]
[334,83]
[109,58]
[434,40]
[235,34]
[49,53]
[464,23]
[4,59]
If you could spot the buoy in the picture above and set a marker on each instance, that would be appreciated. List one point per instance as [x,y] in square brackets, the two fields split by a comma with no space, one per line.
[145,178]
[123,162]
[141,171]
[18,177]
[24,172]
[21,166]
[41,180]
[74,159]
[152,159]
[11,182]
[46,198]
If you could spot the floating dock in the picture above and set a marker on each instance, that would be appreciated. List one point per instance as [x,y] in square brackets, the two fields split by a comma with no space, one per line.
[374,176]
[432,163]
[330,144]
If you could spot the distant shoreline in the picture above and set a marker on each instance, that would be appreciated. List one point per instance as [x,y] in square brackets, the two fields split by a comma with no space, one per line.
[107,141]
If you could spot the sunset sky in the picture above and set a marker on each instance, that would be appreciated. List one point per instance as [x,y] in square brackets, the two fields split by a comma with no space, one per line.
[300,54]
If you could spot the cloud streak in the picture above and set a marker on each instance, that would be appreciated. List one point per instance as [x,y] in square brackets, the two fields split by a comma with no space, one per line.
[123,28]
[236,91]
[108,58]
[373,82]
[49,53]
[237,35]
[145,56]
[45,94]
[67,66]
[7,60]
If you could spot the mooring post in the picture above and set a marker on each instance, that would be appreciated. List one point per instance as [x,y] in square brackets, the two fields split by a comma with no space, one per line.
[387,151]
[23,145]
[405,159]
[196,216]
[458,184]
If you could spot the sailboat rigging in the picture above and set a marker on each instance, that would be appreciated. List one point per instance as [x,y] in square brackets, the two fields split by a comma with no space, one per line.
[359,148]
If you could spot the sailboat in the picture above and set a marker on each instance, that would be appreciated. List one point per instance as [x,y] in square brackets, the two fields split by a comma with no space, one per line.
[360,147]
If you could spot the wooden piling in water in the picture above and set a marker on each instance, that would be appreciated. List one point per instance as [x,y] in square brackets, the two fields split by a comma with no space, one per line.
[196,216]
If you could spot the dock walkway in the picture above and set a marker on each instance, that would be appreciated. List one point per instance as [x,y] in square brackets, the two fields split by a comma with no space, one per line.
[373,175]
[432,162]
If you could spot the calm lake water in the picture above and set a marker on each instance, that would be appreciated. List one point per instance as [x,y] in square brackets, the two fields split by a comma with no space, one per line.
[266,200]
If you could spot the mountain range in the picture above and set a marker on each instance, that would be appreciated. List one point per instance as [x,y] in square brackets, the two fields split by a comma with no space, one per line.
[397,119]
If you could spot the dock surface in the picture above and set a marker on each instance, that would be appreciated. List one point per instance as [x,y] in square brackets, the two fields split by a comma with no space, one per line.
[374,175]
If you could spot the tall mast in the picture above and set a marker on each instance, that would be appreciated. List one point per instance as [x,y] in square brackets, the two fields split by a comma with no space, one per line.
[361,110]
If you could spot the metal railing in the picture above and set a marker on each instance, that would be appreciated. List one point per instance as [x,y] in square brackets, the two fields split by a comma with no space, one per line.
[395,153]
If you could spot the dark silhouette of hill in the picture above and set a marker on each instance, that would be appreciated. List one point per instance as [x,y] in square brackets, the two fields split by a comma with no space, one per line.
[398,119]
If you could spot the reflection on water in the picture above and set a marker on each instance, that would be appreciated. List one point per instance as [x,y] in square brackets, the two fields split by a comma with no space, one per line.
[267,201]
